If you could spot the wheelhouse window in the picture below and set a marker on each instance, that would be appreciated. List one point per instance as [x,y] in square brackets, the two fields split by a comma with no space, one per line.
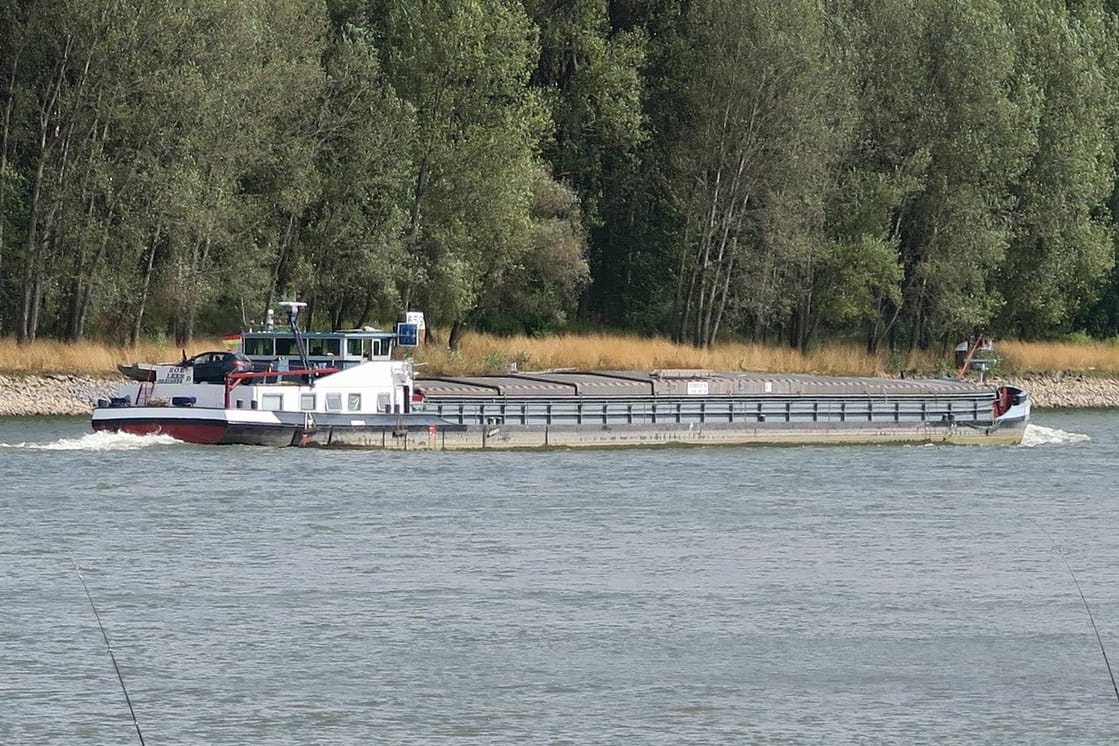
[324,346]
[286,346]
[258,346]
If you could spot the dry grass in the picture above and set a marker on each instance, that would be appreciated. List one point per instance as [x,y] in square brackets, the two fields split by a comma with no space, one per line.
[1095,358]
[86,358]
[482,353]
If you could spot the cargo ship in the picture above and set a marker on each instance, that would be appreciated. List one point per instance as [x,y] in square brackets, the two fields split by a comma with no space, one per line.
[348,389]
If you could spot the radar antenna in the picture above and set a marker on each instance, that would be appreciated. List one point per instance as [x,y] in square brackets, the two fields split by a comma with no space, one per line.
[293,307]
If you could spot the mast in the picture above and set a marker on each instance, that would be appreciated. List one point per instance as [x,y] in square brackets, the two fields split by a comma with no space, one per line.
[293,307]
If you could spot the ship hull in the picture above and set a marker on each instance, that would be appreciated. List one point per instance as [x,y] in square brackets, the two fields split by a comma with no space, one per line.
[576,410]
[424,432]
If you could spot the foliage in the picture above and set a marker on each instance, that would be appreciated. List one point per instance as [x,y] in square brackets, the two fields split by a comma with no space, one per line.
[902,172]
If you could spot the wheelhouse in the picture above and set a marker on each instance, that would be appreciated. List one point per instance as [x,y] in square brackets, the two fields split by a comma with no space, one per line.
[337,349]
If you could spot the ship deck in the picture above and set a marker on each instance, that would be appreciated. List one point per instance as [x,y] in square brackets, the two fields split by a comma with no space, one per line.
[571,399]
[562,384]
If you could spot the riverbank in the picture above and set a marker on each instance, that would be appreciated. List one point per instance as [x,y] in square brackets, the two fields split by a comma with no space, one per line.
[53,394]
[76,395]
[1065,390]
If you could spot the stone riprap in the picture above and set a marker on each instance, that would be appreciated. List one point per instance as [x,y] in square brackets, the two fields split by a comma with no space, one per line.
[53,394]
[1057,390]
[76,395]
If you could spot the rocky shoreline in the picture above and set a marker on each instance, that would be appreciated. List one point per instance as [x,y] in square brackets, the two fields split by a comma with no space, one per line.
[52,394]
[62,395]
[1065,390]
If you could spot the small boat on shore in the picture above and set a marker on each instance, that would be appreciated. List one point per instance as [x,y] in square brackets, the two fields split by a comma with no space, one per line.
[344,390]
[138,371]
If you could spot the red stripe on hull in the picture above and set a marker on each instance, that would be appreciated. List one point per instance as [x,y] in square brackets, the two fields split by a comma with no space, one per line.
[203,433]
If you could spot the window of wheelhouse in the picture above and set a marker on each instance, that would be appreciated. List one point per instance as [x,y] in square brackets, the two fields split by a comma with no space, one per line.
[318,346]
[258,346]
[286,346]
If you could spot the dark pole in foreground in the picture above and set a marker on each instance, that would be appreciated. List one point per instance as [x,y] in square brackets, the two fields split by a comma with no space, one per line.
[113,658]
[1099,640]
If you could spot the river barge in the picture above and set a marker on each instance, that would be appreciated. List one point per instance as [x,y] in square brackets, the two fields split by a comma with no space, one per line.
[346,390]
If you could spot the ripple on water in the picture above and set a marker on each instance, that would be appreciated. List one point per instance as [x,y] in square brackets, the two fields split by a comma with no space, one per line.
[757,595]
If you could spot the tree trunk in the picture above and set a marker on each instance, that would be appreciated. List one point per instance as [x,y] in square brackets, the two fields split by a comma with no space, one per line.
[455,339]
[145,287]
[91,283]
[718,320]
[430,337]
[5,138]
[415,216]
[23,330]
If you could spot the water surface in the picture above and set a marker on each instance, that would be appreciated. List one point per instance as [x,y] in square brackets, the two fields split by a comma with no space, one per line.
[665,596]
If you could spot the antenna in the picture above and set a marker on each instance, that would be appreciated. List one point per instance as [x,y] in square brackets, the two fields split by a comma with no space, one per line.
[109,647]
[293,308]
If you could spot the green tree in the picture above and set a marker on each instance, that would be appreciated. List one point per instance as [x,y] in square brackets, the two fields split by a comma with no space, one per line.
[768,102]
[936,82]
[354,232]
[1063,242]
[464,67]
[540,290]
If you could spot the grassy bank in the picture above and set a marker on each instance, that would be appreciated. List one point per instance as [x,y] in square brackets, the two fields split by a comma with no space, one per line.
[82,358]
[618,352]
[485,353]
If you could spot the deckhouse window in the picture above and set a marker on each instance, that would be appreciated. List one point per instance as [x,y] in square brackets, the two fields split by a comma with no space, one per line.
[353,402]
[328,346]
[258,346]
[272,401]
[307,402]
[333,402]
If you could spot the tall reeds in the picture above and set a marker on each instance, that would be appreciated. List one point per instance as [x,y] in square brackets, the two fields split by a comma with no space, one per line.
[484,353]
[82,358]
[1089,358]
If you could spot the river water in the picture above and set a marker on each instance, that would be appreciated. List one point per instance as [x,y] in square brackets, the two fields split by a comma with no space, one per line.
[694,595]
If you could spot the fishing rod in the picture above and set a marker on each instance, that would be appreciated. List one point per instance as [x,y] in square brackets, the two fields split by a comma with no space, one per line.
[113,658]
[1088,609]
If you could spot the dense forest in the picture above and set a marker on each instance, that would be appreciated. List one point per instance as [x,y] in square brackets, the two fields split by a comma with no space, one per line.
[896,172]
